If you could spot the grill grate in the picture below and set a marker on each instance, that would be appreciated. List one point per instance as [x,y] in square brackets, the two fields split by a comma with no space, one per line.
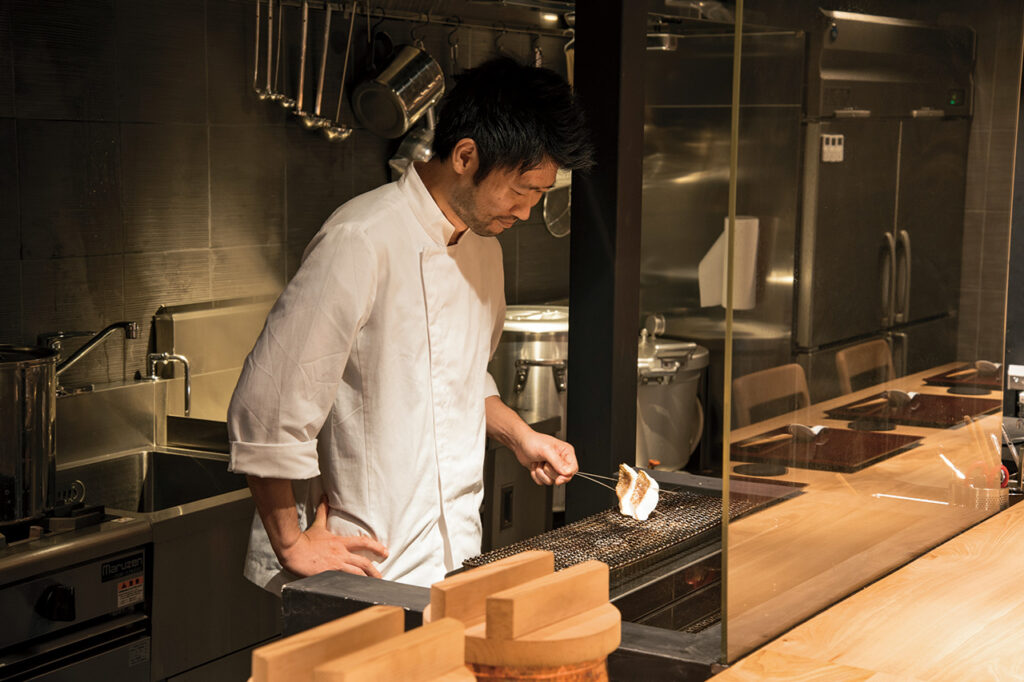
[681,520]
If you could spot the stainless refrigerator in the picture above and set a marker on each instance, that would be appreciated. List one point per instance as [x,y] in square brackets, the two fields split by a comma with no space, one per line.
[884,171]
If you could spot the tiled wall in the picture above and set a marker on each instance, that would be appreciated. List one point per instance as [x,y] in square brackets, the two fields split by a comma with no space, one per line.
[989,179]
[138,168]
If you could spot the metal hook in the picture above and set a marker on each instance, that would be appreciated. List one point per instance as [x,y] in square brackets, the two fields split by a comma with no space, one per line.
[383,18]
[412,31]
[497,39]
[452,33]
[453,45]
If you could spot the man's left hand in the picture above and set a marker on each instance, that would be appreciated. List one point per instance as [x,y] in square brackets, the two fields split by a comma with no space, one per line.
[551,461]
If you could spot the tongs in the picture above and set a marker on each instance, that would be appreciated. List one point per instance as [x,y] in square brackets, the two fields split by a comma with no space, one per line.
[597,478]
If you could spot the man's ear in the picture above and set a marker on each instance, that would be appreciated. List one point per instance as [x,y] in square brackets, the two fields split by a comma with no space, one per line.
[464,157]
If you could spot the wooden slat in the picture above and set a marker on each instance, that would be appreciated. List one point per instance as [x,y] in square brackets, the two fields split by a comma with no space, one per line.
[547,600]
[293,659]
[435,651]
[463,596]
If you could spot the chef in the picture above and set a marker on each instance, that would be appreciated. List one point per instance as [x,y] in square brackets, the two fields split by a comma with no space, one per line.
[361,413]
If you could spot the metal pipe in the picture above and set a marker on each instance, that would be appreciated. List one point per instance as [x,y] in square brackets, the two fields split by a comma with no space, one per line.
[159,358]
[131,331]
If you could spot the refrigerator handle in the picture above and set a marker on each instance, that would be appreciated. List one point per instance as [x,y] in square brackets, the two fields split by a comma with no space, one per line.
[900,352]
[903,278]
[888,276]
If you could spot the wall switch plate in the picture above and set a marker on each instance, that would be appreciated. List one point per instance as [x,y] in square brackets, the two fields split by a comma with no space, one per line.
[832,148]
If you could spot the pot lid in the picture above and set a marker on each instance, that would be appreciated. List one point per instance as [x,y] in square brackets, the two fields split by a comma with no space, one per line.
[655,353]
[536,319]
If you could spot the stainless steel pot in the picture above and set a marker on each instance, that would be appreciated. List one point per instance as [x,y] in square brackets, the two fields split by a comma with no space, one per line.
[669,415]
[28,410]
[391,102]
[529,366]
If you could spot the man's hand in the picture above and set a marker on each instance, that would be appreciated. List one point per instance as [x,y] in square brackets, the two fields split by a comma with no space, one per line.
[317,549]
[550,461]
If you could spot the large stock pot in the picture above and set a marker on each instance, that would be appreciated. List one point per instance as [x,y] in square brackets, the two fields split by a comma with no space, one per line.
[529,365]
[28,410]
[530,368]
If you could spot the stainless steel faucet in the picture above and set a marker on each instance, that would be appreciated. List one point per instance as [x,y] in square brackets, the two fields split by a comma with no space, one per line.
[53,341]
[153,359]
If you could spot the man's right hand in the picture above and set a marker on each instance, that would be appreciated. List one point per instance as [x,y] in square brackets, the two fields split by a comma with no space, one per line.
[318,549]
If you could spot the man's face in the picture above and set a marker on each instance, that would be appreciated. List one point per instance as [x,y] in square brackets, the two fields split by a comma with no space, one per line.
[502,198]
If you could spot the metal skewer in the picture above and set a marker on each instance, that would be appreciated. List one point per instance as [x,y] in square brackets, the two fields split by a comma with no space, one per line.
[587,477]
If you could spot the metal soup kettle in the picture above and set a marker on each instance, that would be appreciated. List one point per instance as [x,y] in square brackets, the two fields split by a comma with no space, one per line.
[401,94]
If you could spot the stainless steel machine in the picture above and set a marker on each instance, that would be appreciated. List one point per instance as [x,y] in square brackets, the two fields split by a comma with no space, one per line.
[76,597]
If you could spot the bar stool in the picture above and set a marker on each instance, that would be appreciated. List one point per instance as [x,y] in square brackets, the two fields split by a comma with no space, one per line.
[769,392]
[869,363]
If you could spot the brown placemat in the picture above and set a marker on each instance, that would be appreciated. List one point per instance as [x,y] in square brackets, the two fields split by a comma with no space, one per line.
[831,450]
[937,411]
[964,376]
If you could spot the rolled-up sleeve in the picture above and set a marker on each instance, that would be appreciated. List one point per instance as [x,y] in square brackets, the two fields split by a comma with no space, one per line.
[290,378]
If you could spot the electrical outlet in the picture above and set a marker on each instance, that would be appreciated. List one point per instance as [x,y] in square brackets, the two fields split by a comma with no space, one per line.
[832,148]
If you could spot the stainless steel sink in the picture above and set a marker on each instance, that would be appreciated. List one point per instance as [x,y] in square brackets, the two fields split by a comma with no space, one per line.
[149,481]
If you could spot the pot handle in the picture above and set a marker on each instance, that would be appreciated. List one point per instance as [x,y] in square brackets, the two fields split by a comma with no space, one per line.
[700,426]
[558,368]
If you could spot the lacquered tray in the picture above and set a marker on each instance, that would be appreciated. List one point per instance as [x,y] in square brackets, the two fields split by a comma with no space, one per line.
[966,375]
[831,450]
[938,411]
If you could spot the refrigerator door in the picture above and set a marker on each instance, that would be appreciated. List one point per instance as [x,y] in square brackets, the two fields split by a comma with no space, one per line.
[921,346]
[844,275]
[930,216]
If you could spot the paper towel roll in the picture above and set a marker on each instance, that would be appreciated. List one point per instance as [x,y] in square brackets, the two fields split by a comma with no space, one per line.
[712,272]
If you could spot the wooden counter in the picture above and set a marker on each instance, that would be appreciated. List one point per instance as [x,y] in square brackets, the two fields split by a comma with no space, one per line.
[791,561]
[954,614]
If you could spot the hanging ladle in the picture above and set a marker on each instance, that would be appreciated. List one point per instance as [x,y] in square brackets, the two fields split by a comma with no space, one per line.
[275,95]
[315,120]
[335,131]
[263,93]
[302,63]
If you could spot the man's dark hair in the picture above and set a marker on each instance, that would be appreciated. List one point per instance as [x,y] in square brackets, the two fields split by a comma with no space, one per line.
[517,115]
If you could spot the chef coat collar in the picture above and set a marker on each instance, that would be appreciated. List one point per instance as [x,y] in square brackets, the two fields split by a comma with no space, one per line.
[426,210]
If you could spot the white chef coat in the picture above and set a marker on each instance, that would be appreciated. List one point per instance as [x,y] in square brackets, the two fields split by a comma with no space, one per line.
[368,382]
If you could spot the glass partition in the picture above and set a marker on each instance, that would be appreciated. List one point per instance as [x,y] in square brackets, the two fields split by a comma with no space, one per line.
[869,263]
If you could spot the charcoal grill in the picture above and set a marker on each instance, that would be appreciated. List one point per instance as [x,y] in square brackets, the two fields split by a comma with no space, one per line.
[682,521]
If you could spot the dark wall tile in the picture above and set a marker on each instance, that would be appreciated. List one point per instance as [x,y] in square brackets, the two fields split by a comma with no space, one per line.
[231,37]
[161,60]
[543,263]
[369,162]
[999,186]
[6,62]
[10,303]
[247,185]
[65,59]
[977,169]
[77,294]
[68,182]
[247,271]
[974,235]
[10,239]
[509,250]
[319,180]
[156,279]
[165,182]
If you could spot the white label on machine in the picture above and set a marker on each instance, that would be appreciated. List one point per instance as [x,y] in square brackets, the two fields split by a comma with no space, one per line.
[832,148]
[130,591]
